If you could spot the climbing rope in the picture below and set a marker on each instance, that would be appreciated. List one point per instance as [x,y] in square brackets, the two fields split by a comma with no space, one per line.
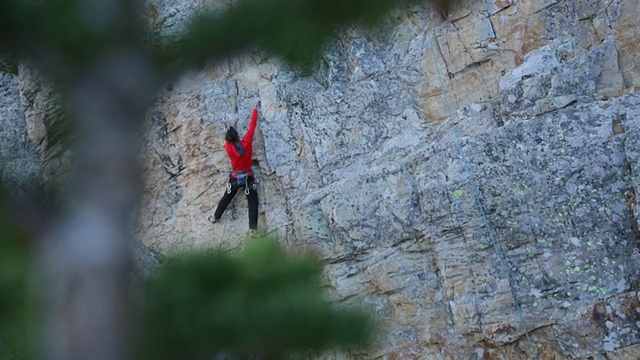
[478,198]
[224,232]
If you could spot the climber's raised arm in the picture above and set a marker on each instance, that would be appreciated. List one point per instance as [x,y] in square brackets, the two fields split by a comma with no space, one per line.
[248,137]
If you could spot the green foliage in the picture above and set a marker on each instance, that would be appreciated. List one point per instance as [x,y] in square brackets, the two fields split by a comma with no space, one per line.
[291,29]
[263,302]
[9,65]
[14,300]
[63,35]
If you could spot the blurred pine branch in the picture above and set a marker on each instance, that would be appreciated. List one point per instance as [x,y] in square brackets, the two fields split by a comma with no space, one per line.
[263,303]
[16,300]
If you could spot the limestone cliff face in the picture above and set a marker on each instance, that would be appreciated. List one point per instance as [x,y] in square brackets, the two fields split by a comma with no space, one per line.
[460,176]
[362,163]
[20,169]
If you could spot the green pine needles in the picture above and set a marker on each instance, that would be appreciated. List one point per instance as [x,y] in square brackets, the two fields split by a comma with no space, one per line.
[16,328]
[8,65]
[262,304]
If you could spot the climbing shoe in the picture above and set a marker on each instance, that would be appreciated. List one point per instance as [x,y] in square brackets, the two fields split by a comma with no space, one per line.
[253,233]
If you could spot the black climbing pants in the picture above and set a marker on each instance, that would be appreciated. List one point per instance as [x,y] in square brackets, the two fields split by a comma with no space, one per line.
[252,199]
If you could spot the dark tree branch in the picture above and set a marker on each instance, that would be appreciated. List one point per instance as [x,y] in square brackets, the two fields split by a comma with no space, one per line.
[291,29]
[62,36]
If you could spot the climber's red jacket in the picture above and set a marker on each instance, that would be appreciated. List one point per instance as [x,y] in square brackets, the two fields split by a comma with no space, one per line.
[243,163]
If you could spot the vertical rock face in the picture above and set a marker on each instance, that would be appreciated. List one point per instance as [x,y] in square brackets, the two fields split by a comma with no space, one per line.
[20,169]
[363,163]
[472,178]
[46,124]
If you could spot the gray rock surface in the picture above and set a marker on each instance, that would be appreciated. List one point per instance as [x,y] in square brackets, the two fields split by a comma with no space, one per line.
[20,168]
[363,163]
[47,125]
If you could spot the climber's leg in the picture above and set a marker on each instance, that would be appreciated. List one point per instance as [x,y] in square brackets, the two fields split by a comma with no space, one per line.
[252,200]
[229,193]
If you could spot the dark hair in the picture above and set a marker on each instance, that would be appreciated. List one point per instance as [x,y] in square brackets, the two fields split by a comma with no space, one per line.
[231,135]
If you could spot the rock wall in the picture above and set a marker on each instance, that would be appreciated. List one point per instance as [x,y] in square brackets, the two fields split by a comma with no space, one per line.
[467,177]
[20,168]
[362,163]
[46,124]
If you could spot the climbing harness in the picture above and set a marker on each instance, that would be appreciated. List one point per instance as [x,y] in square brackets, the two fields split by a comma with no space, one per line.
[480,203]
[241,179]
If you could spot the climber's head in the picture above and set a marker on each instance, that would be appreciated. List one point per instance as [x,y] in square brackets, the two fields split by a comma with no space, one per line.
[231,135]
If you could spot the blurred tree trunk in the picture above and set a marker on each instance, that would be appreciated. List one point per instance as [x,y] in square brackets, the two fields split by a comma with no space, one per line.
[85,258]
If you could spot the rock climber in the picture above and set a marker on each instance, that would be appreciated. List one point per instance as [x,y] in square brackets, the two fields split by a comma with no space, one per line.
[241,175]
